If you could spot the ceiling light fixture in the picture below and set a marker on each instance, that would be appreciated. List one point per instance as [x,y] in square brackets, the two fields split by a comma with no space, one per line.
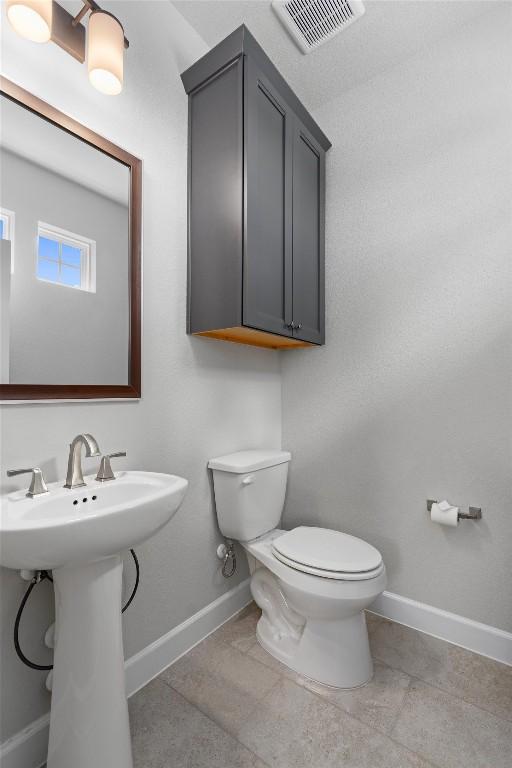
[43,20]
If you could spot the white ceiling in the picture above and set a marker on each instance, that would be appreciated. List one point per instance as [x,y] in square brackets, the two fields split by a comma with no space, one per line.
[389,32]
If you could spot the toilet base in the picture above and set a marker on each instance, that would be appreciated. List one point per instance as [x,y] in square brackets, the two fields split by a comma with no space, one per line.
[333,653]
[315,626]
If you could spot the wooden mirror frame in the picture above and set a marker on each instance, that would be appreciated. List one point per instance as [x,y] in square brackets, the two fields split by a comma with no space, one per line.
[27,392]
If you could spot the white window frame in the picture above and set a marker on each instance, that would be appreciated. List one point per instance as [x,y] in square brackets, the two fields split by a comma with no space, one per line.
[87,263]
[9,219]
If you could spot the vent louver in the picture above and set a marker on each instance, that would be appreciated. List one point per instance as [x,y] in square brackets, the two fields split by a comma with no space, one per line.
[313,22]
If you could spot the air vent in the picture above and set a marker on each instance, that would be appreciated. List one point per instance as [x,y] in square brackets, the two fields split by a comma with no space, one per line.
[313,22]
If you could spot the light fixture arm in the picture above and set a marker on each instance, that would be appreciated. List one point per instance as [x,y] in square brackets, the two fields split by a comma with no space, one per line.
[69,33]
[91,5]
[83,12]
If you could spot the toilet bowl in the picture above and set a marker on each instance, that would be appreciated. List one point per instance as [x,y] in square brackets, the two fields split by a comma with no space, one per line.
[311,583]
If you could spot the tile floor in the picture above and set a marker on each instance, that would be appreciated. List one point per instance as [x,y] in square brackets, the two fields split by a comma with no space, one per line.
[228,704]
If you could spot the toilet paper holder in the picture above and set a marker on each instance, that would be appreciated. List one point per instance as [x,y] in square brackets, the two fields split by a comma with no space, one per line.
[474,513]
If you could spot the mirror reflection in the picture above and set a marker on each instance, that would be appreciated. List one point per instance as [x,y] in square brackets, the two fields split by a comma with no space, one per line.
[64,256]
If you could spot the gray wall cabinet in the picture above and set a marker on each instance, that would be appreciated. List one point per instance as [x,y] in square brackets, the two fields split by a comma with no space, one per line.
[256,202]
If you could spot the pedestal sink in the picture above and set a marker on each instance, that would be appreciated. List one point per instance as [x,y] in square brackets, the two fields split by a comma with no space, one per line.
[78,534]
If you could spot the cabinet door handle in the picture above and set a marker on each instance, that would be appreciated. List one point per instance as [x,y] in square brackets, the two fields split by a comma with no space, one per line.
[291,325]
[298,326]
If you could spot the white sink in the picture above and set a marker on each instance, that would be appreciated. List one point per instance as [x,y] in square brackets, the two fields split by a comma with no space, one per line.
[65,527]
[80,542]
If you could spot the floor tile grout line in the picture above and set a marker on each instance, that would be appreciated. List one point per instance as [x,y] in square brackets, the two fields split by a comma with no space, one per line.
[283,678]
[322,698]
[325,699]
[366,725]
[415,678]
[372,728]
[225,643]
[400,710]
[245,719]
[394,739]
[426,760]
[386,734]
[443,690]
[210,718]
[402,705]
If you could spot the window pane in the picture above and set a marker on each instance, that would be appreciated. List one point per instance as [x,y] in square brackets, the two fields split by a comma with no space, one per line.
[48,249]
[70,276]
[71,255]
[1,229]
[48,270]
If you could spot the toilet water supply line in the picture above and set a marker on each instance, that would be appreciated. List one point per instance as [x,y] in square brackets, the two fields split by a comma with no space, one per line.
[37,579]
[226,552]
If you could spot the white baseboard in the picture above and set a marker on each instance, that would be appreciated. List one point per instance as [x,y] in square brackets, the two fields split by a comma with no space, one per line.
[28,748]
[153,659]
[481,638]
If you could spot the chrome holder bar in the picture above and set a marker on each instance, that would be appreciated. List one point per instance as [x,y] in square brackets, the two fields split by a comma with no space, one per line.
[474,513]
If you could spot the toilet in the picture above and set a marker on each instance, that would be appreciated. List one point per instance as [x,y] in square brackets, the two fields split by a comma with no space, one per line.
[312,584]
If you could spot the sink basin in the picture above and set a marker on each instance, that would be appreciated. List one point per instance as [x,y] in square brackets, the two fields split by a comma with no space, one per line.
[78,534]
[72,526]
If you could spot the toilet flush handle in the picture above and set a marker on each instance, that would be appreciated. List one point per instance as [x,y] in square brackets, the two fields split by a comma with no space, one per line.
[249,480]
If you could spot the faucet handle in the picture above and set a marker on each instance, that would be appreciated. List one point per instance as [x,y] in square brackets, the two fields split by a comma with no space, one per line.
[105,470]
[37,483]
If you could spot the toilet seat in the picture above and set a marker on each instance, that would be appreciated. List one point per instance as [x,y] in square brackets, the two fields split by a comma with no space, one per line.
[339,575]
[328,554]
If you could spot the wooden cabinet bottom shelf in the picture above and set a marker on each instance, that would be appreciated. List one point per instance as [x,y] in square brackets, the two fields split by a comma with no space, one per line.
[242,335]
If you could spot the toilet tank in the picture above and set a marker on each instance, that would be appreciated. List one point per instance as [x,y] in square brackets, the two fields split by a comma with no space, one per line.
[249,492]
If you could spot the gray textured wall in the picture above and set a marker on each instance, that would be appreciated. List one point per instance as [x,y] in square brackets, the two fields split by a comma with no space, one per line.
[200,397]
[60,335]
[411,398]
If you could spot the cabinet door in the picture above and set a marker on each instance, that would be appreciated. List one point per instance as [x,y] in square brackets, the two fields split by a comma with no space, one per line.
[308,236]
[268,144]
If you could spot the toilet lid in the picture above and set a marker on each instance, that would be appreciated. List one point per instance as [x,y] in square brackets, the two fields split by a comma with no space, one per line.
[324,550]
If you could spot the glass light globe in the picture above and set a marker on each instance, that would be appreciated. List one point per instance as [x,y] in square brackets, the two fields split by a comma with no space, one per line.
[31,19]
[105,52]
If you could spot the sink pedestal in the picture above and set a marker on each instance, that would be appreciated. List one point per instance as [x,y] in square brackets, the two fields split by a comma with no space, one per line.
[89,725]
[76,533]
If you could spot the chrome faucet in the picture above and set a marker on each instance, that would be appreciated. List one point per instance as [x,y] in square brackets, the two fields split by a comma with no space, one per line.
[74,477]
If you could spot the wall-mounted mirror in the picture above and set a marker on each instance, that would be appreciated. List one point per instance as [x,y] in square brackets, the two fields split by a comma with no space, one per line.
[70,231]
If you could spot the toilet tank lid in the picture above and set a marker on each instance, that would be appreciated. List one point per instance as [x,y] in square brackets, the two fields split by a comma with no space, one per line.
[249,461]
